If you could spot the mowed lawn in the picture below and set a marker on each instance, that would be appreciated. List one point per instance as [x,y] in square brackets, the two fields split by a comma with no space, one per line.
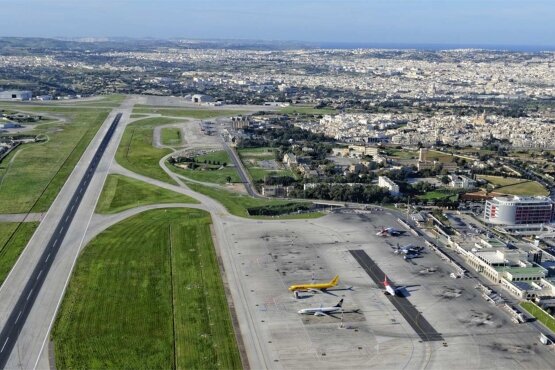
[180,112]
[136,152]
[142,286]
[121,193]
[13,239]
[213,173]
[32,175]
[539,314]
[515,186]
[171,136]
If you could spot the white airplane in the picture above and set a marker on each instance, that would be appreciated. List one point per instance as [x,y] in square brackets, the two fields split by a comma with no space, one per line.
[389,288]
[386,231]
[407,249]
[322,311]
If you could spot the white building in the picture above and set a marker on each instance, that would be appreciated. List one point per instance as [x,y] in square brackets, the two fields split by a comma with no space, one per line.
[519,210]
[386,182]
[16,95]
[461,182]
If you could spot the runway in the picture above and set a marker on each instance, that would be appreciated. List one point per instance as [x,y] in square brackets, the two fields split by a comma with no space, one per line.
[18,316]
[415,319]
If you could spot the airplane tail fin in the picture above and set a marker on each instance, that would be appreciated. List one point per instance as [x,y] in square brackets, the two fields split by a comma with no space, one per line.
[335,280]
[340,303]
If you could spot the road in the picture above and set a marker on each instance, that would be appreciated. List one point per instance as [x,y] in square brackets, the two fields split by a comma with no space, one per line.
[245,179]
[30,297]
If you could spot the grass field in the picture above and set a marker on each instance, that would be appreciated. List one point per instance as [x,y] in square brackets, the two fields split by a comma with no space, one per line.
[259,173]
[500,181]
[257,153]
[540,315]
[402,154]
[215,176]
[13,239]
[306,109]
[442,157]
[121,193]
[147,294]
[136,152]
[171,136]
[180,112]
[237,204]
[438,195]
[32,175]
[524,189]
[217,156]
[250,158]
[515,186]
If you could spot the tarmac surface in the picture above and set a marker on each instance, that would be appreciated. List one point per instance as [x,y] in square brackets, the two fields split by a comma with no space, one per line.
[415,319]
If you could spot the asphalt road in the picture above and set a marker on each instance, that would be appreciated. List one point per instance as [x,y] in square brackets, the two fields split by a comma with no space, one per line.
[17,318]
[245,179]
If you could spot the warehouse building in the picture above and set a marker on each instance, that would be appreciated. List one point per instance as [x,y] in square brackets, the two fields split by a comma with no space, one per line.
[16,95]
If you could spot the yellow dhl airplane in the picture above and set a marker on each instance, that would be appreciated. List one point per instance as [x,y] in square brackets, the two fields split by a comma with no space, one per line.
[309,287]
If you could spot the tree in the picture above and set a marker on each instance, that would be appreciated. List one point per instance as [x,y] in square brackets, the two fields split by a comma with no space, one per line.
[445,179]
[228,179]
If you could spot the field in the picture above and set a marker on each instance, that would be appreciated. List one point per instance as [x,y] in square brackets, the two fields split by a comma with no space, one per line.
[216,156]
[121,193]
[402,154]
[305,109]
[257,153]
[147,294]
[515,186]
[250,158]
[171,136]
[434,155]
[213,175]
[540,315]
[32,175]
[438,195]
[13,239]
[180,112]
[213,172]
[136,152]
[237,204]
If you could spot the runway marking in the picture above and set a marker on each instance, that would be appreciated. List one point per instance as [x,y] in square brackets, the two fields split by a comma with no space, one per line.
[67,218]
[40,273]
[2,350]
[29,295]
[73,206]
[47,257]
[55,241]
[20,312]
[62,229]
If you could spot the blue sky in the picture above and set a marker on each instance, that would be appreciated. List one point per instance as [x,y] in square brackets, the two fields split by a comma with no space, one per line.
[464,22]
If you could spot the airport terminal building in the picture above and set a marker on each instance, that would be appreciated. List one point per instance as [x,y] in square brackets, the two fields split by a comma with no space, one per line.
[519,210]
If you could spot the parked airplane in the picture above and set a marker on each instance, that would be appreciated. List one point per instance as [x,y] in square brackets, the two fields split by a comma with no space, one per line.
[389,231]
[407,249]
[389,288]
[322,311]
[314,287]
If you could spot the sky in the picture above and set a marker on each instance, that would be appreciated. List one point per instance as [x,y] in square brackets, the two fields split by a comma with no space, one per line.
[453,22]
